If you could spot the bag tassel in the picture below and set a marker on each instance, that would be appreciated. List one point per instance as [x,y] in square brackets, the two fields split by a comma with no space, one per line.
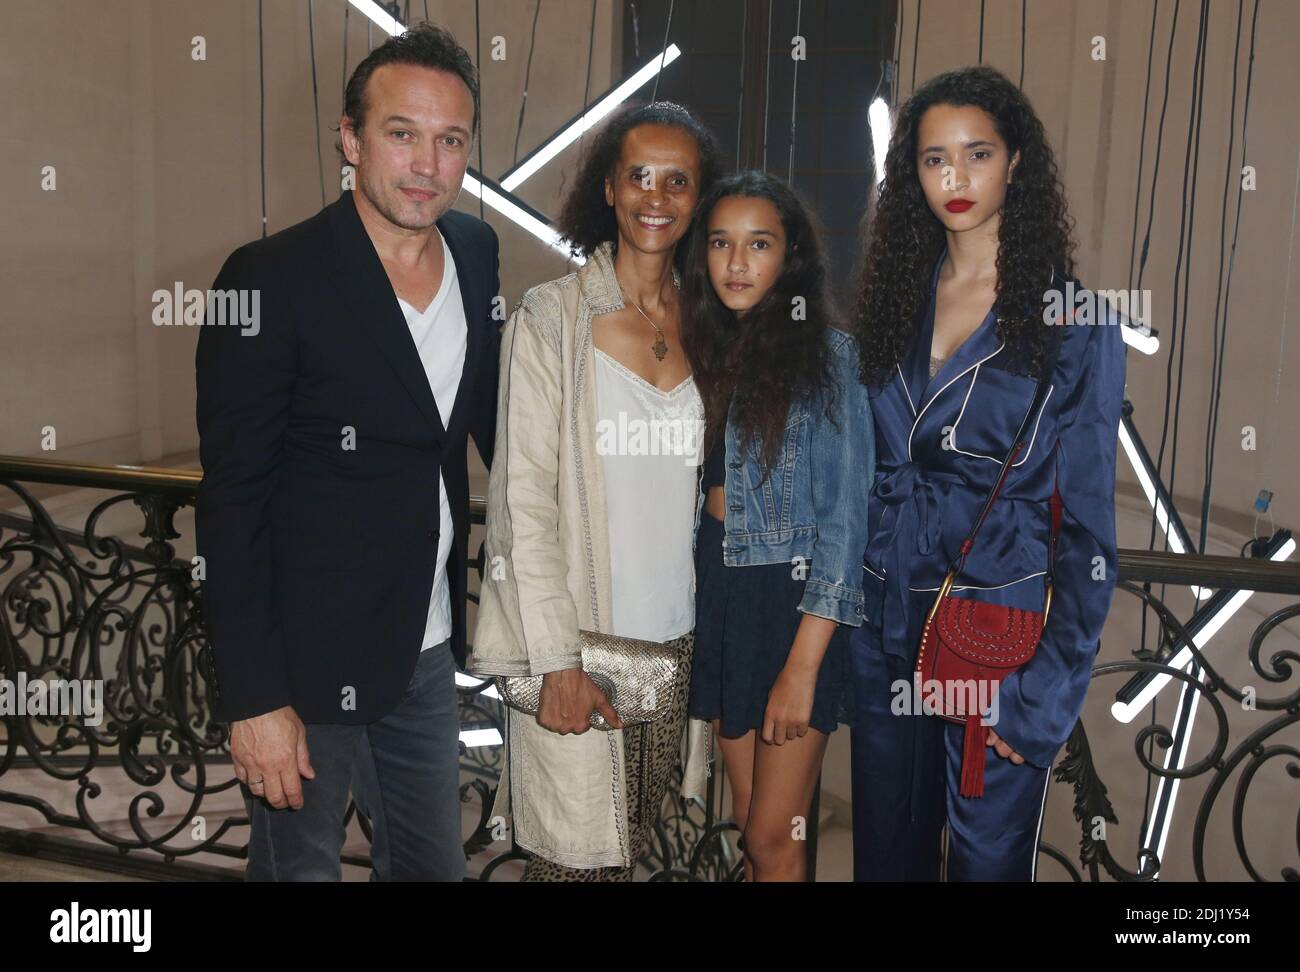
[972,760]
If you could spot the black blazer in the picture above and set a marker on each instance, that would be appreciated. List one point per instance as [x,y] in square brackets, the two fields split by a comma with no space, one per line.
[321,443]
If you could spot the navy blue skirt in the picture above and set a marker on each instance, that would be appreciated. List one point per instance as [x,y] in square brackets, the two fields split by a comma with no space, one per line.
[745,623]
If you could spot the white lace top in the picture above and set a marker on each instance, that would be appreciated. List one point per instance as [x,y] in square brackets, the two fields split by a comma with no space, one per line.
[649,444]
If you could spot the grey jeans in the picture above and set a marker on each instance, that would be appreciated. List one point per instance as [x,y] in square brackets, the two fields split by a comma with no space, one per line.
[403,770]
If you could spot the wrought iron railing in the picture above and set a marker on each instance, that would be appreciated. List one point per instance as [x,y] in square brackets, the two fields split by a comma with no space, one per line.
[1165,753]
[83,604]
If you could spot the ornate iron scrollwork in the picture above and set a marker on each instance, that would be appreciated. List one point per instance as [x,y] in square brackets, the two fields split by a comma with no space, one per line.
[85,605]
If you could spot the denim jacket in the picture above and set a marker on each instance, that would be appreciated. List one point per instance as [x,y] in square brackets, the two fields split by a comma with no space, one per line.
[811,511]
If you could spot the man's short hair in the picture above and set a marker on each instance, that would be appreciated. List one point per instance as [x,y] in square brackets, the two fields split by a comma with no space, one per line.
[424,45]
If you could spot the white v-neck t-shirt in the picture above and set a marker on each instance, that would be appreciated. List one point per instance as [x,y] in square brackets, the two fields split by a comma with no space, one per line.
[440,333]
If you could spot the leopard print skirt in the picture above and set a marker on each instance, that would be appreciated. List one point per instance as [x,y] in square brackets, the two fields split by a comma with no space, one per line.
[651,752]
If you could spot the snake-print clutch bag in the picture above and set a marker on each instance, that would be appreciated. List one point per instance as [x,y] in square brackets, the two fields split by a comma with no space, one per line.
[636,676]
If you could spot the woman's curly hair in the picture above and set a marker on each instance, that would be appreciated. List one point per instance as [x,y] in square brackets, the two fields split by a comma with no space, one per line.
[757,366]
[904,238]
[586,220]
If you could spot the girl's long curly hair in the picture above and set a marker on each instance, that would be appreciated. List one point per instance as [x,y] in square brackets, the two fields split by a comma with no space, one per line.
[585,219]
[904,238]
[758,365]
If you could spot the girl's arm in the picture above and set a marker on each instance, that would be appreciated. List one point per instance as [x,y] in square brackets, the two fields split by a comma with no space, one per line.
[843,467]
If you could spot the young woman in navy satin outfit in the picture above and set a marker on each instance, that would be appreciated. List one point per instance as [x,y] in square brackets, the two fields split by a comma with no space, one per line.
[967,245]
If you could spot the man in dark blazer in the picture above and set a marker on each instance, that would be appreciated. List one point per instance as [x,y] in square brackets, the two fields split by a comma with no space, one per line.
[333,515]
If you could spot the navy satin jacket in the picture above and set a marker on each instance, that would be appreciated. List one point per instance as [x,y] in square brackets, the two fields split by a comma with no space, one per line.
[940,443]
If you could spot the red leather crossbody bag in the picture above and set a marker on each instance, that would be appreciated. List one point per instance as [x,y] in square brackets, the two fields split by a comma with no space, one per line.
[968,643]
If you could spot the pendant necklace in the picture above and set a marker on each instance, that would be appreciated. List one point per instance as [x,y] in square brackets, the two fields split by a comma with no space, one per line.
[660,347]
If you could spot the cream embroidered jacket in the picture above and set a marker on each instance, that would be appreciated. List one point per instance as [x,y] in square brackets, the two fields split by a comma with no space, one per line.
[547,571]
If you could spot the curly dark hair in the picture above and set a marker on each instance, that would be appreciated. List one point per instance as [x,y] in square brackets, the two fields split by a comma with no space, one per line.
[904,238]
[757,366]
[586,220]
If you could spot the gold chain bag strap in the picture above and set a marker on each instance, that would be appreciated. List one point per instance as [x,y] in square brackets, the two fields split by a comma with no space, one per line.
[636,676]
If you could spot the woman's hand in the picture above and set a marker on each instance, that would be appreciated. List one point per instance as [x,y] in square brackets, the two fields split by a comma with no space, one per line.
[789,705]
[568,697]
[1003,750]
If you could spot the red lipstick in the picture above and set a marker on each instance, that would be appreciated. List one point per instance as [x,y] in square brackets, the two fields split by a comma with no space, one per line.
[958,205]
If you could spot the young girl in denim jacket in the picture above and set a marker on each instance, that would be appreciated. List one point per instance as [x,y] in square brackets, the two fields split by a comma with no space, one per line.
[780,526]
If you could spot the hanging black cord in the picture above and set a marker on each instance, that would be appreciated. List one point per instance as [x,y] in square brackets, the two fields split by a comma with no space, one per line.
[1173,320]
[654,95]
[981,47]
[1219,331]
[767,82]
[898,52]
[1186,226]
[1177,334]
[346,8]
[1146,242]
[528,70]
[1232,256]
[1172,334]
[916,40]
[478,58]
[586,84]
[1137,198]
[591,46]
[315,99]
[740,100]
[1142,144]
[1160,141]
[794,95]
[1023,11]
[261,111]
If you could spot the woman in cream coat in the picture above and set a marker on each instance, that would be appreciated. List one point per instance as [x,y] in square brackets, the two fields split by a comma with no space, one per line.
[589,528]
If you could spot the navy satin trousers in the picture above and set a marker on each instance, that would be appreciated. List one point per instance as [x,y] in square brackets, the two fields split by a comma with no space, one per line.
[906,773]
